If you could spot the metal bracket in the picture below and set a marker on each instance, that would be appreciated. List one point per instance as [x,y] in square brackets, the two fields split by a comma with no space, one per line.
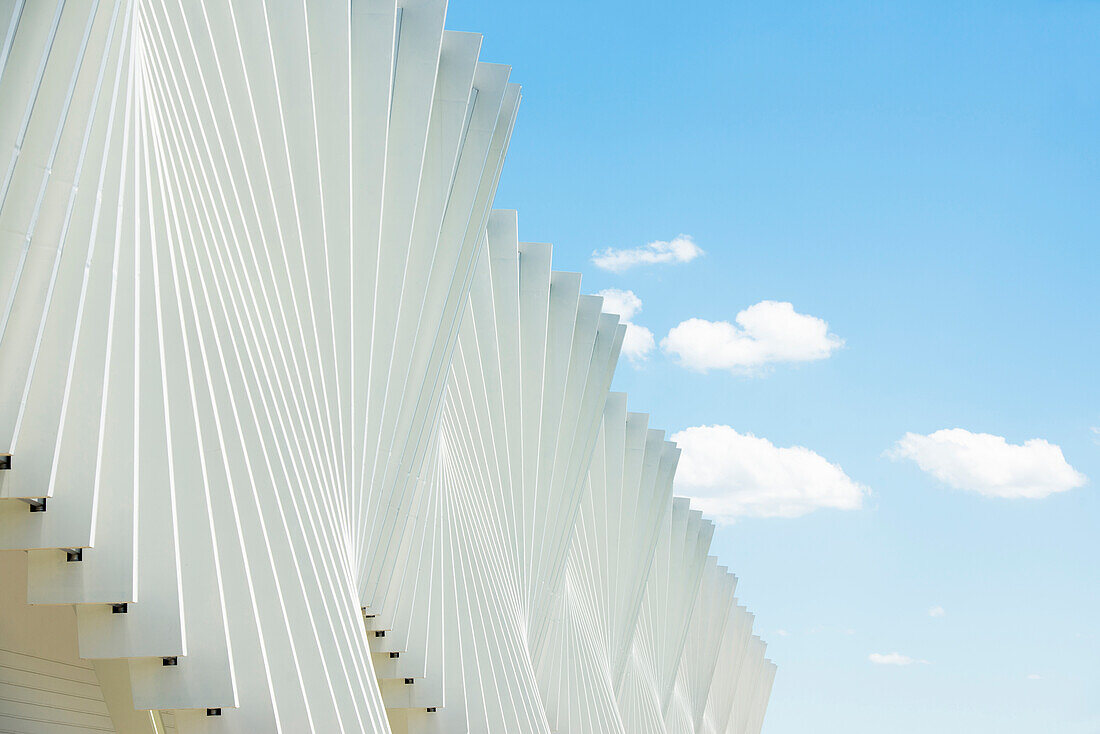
[36,505]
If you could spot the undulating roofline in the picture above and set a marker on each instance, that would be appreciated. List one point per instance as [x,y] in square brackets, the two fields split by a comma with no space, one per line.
[299,435]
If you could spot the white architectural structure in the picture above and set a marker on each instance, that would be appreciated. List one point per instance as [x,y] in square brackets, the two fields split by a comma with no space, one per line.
[301,437]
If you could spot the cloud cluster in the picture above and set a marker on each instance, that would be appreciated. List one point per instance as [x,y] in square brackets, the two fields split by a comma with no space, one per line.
[732,475]
[767,332]
[990,465]
[937,611]
[639,341]
[682,249]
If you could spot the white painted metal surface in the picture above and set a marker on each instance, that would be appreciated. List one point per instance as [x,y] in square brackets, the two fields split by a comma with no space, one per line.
[320,444]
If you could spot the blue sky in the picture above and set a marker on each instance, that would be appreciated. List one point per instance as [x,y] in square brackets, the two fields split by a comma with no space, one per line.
[925,178]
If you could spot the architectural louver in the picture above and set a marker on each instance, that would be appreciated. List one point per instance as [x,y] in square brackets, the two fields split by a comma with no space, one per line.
[302,437]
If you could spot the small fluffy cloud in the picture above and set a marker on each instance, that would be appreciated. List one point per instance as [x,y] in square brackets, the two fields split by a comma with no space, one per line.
[937,611]
[639,341]
[682,249]
[1095,434]
[1034,676]
[624,303]
[892,658]
[990,465]
[768,332]
[732,475]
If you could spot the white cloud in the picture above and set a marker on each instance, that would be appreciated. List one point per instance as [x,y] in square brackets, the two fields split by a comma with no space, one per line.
[1095,434]
[682,249]
[937,611]
[782,633]
[990,465]
[732,475]
[639,341]
[1035,676]
[767,332]
[624,303]
[893,658]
